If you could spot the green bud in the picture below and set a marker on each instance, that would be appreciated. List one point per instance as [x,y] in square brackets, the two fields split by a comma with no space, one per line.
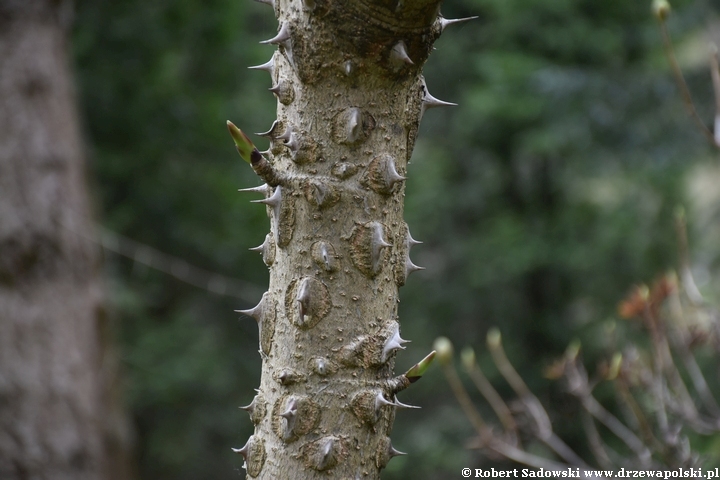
[419,369]
[444,348]
[572,350]
[661,9]
[467,356]
[614,368]
[243,144]
[494,338]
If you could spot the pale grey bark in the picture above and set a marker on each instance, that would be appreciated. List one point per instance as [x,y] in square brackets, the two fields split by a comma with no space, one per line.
[347,75]
[58,415]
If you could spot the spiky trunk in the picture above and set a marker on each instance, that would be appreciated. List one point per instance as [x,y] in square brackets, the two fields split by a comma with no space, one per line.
[350,97]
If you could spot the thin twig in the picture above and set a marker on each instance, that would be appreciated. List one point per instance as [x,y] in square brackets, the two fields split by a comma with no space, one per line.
[490,394]
[614,425]
[680,343]
[682,85]
[715,73]
[597,446]
[487,439]
[642,422]
[465,402]
[530,402]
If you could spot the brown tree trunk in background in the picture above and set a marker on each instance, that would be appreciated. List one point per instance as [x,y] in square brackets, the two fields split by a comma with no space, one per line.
[59,418]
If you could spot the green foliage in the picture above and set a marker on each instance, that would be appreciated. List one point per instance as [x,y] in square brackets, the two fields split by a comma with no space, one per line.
[540,199]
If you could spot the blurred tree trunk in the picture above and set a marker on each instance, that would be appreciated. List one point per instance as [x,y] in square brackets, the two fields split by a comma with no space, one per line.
[59,416]
[347,75]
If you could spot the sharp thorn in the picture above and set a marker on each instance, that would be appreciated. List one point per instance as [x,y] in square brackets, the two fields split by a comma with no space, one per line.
[395,453]
[264,188]
[399,54]
[399,404]
[282,36]
[272,201]
[410,240]
[270,133]
[446,22]
[381,401]
[286,135]
[268,66]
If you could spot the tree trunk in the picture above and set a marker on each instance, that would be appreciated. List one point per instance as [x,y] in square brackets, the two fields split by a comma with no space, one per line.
[58,417]
[350,98]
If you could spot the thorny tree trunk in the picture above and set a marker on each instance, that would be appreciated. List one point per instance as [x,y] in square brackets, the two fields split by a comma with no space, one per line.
[58,418]
[350,97]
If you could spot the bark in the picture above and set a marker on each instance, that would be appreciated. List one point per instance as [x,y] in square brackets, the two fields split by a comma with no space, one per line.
[59,418]
[350,97]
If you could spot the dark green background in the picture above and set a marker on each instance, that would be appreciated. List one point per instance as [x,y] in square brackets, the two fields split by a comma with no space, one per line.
[541,199]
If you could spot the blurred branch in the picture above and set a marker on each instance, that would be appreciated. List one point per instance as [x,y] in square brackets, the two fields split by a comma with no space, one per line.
[532,404]
[178,268]
[665,407]
[661,15]
[488,392]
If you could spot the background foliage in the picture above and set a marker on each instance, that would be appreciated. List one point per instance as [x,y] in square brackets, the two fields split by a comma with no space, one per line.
[540,199]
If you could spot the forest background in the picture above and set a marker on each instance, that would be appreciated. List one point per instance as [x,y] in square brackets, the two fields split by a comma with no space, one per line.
[541,199]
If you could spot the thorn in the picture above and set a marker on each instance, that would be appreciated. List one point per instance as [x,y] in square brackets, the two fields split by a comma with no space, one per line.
[267,2]
[392,174]
[290,416]
[256,312]
[303,299]
[431,102]
[286,134]
[289,139]
[446,22]
[276,89]
[377,244]
[381,401]
[428,101]
[395,342]
[292,144]
[282,36]
[395,453]
[399,404]
[270,133]
[291,410]
[272,201]
[264,189]
[268,66]
[259,248]
[251,407]
[325,256]
[378,235]
[320,366]
[399,54]
[354,125]
[327,454]
[284,378]
[410,267]
[410,240]
[244,450]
